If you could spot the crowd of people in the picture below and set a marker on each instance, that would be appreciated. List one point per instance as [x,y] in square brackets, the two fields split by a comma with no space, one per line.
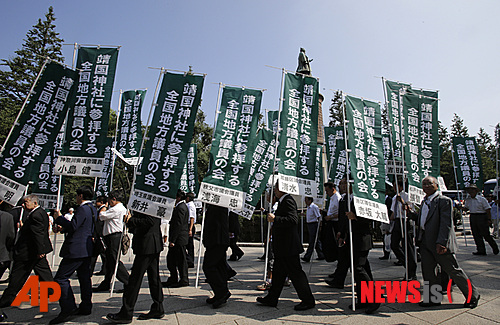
[94,230]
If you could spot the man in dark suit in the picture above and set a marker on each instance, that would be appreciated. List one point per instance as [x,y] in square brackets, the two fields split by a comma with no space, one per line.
[287,248]
[30,250]
[76,253]
[99,248]
[234,232]
[437,241]
[216,242]
[147,245]
[362,244]
[7,236]
[177,241]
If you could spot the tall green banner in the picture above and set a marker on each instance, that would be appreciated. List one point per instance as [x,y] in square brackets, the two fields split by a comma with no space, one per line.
[335,153]
[46,184]
[421,154]
[103,186]
[227,178]
[366,158]
[272,120]
[260,170]
[467,161]
[189,178]
[169,138]
[299,135]
[36,131]
[129,135]
[88,118]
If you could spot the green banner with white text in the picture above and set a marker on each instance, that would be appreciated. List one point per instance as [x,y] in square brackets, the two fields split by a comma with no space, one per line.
[467,162]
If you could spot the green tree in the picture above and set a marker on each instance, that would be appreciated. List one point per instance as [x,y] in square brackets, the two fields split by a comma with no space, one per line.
[487,151]
[458,128]
[41,41]
[446,163]
[336,112]
[203,137]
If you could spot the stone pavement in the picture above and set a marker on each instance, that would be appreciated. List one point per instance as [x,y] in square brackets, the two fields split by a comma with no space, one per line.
[187,305]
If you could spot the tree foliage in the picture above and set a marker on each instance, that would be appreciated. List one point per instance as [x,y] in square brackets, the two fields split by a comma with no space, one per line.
[41,41]
[335,109]
[203,137]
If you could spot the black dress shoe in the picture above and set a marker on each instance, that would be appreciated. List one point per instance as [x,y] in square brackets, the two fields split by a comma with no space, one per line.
[168,284]
[231,274]
[267,302]
[239,256]
[210,300]
[304,306]
[399,263]
[304,259]
[118,319]
[429,304]
[83,312]
[496,251]
[334,284]
[479,253]
[101,272]
[100,288]
[63,317]
[232,258]
[473,302]
[372,308]
[151,315]
[384,257]
[3,317]
[221,301]
[331,275]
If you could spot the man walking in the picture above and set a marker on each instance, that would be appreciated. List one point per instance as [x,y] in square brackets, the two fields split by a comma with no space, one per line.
[313,217]
[147,245]
[76,252]
[177,241]
[192,228]
[438,243]
[287,248]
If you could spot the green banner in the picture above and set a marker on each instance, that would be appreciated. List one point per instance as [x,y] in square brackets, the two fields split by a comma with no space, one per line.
[272,120]
[366,158]
[421,155]
[103,186]
[299,135]
[335,153]
[227,178]
[189,178]
[88,119]
[47,182]
[392,89]
[169,138]
[260,170]
[129,135]
[467,161]
[36,131]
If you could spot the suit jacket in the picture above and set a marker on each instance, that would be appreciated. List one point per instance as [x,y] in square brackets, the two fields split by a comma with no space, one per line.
[286,240]
[79,231]
[234,223]
[361,232]
[33,236]
[179,228]
[438,225]
[7,236]
[216,232]
[147,234]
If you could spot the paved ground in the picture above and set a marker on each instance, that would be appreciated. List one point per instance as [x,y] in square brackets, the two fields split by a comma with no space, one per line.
[187,305]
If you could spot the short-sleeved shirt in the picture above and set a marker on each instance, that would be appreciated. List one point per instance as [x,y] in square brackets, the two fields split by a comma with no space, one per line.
[192,211]
[313,214]
[479,204]
[333,208]
[394,207]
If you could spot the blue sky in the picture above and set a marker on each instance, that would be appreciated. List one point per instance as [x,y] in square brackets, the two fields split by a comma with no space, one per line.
[447,45]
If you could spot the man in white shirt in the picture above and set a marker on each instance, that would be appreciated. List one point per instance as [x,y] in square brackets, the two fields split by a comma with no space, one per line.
[192,228]
[494,215]
[480,219]
[329,227]
[313,217]
[112,234]
[68,216]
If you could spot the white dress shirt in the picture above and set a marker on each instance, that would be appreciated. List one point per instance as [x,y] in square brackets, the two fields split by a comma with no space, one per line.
[113,219]
[192,211]
[333,208]
[478,204]
[312,214]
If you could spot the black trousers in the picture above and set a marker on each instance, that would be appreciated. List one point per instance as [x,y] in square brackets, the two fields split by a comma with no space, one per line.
[113,245]
[362,270]
[398,243]
[480,231]
[66,269]
[4,266]
[215,269]
[312,229]
[290,266]
[21,270]
[190,248]
[177,264]
[143,263]
[235,249]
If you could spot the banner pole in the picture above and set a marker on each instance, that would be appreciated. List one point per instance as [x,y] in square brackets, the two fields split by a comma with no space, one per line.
[24,104]
[459,194]
[281,99]
[348,194]
[199,248]
[113,159]
[118,256]
[403,144]
[261,222]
